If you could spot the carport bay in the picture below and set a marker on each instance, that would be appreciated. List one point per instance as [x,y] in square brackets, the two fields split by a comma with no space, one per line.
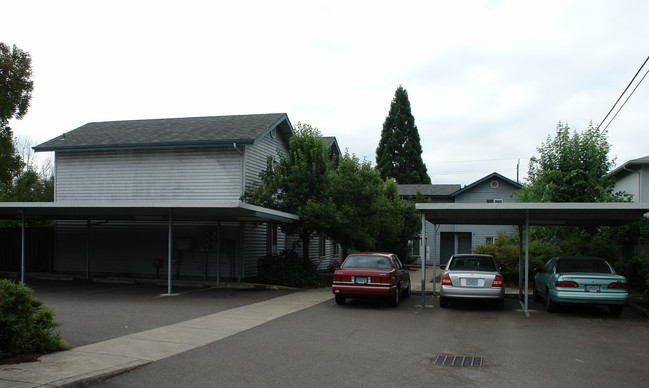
[523,215]
[156,214]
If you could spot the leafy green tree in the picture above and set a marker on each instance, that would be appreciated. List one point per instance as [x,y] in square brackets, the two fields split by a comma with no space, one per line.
[297,183]
[398,155]
[29,186]
[572,167]
[15,94]
[365,212]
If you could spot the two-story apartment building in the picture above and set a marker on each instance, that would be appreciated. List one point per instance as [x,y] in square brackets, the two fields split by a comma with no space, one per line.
[202,160]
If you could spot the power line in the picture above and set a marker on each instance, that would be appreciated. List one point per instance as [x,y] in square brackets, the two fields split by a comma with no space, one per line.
[627,99]
[621,95]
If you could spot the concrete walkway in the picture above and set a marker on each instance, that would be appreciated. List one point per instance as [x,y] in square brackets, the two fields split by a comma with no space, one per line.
[98,361]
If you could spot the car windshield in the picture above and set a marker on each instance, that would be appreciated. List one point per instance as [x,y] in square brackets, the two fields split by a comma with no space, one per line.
[361,261]
[583,265]
[473,263]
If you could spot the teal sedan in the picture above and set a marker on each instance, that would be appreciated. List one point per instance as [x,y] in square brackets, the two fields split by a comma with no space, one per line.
[580,279]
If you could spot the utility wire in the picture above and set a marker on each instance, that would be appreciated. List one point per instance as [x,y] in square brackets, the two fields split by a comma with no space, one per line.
[627,99]
[621,95]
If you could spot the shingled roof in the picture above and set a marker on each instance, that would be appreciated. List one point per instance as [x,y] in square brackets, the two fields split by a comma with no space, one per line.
[192,131]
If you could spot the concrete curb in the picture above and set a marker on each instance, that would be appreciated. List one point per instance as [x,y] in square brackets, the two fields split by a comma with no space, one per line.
[98,376]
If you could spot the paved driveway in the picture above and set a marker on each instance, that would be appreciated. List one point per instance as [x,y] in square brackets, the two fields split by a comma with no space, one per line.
[370,344]
[94,312]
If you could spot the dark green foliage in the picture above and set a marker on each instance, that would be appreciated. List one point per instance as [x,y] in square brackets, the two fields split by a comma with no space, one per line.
[346,201]
[29,186]
[297,183]
[505,251]
[636,271]
[15,93]
[288,269]
[398,155]
[10,161]
[27,326]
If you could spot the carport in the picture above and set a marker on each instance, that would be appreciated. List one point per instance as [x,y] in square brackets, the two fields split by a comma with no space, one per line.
[143,211]
[523,215]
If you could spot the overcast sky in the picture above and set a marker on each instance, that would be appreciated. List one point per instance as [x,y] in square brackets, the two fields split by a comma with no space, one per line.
[488,81]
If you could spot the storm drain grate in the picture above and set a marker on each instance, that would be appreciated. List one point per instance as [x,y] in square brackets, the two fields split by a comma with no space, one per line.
[446,360]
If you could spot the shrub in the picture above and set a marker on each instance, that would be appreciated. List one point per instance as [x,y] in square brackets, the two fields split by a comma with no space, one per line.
[636,271]
[27,326]
[288,269]
[505,251]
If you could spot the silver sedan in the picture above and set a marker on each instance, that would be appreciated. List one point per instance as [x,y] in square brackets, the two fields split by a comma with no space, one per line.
[472,276]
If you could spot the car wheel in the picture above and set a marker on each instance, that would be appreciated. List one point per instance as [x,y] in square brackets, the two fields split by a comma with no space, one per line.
[443,302]
[340,299]
[535,295]
[394,299]
[616,309]
[550,306]
[407,292]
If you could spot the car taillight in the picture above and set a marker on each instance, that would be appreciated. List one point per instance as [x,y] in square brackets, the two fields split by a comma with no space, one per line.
[498,281]
[619,285]
[342,278]
[446,280]
[382,279]
[563,283]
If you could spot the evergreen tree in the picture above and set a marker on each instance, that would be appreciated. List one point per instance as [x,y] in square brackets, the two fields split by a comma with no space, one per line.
[398,155]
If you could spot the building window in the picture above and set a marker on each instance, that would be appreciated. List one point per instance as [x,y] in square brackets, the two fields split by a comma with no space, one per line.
[490,240]
[415,246]
[494,201]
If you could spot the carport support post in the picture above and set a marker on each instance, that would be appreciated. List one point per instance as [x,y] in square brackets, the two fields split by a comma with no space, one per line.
[520,262]
[422,253]
[170,252]
[22,250]
[527,255]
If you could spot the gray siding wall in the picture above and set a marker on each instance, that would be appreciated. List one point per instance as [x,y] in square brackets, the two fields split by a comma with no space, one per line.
[212,173]
[258,153]
[128,248]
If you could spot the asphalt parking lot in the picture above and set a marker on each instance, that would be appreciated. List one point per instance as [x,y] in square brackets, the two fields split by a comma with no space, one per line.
[364,343]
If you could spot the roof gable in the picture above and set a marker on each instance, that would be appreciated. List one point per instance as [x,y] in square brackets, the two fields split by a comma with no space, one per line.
[624,169]
[493,175]
[175,132]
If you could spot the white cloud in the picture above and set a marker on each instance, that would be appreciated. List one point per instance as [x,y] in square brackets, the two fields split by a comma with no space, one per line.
[487,80]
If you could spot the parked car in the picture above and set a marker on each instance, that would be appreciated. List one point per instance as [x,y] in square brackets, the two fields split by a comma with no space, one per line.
[471,277]
[371,274]
[580,279]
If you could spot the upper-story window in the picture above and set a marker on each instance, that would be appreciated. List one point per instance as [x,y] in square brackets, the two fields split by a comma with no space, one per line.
[494,201]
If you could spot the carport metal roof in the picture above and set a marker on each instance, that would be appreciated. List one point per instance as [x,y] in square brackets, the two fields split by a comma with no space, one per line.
[525,214]
[169,211]
[582,213]
[142,211]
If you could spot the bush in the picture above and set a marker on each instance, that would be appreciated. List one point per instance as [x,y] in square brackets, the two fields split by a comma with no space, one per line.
[27,326]
[636,271]
[505,251]
[288,269]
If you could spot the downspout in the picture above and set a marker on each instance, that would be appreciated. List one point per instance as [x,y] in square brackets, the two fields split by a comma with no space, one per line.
[234,145]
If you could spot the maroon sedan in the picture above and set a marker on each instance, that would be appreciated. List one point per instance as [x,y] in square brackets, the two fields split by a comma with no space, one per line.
[371,274]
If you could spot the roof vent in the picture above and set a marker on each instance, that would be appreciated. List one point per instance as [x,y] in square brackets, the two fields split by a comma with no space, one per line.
[494,184]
